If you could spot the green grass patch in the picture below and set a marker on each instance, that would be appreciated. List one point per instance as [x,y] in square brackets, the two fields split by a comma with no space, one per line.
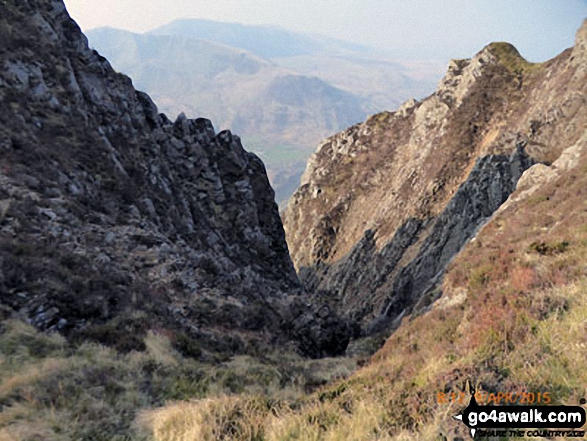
[509,57]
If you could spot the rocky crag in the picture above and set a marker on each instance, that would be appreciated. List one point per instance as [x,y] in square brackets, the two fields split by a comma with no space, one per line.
[109,210]
[385,205]
[507,313]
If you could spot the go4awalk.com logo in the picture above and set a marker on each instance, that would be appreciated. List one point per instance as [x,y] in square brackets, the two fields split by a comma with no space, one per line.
[513,421]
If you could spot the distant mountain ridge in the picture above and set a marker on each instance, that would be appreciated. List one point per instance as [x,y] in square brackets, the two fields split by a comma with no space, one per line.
[361,70]
[237,89]
[265,41]
[282,91]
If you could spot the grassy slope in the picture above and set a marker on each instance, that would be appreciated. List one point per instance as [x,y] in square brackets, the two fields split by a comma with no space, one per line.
[51,390]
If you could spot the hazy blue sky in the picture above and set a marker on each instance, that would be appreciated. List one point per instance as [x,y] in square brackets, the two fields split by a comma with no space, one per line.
[441,29]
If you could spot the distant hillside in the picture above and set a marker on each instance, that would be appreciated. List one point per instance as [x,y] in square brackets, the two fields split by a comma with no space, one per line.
[265,41]
[371,73]
[280,114]
[383,83]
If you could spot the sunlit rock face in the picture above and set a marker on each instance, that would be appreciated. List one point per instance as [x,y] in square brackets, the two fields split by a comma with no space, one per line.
[385,205]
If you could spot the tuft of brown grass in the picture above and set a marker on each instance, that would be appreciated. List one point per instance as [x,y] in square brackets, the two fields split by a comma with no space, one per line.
[222,418]
[55,391]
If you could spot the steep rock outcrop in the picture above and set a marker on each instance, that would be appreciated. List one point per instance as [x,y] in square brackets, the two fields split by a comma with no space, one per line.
[111,210]
[386,204]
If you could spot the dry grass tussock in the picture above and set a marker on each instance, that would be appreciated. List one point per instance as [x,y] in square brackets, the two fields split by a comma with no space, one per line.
[52,390]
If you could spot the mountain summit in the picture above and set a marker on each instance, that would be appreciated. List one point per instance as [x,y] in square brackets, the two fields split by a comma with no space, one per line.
[385,205]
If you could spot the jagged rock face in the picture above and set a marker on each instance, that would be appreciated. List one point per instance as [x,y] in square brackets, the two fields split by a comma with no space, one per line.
[107,206]
[386,204]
